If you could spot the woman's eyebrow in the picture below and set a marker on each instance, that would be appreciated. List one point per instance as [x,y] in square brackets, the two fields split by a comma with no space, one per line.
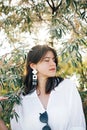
[48,57]
[45,58]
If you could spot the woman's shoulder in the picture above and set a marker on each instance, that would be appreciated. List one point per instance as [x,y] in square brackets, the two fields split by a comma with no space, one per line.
[24,99]
[69,82]
[65,83]
[67,88]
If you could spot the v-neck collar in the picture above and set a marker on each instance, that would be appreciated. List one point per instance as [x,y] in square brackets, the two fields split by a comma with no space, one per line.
[40,103]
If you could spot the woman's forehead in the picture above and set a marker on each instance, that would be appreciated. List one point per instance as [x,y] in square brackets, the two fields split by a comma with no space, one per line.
[49,54]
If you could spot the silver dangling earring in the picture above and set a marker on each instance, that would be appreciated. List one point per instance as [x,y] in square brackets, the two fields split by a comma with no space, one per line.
[34,77]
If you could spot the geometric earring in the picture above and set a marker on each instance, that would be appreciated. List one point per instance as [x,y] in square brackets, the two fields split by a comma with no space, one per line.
[34,77]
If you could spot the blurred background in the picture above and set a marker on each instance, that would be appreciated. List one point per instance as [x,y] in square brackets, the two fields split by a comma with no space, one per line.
[24,23]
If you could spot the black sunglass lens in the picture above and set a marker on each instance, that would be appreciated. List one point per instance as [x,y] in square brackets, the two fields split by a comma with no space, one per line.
[44,117]
[46,128]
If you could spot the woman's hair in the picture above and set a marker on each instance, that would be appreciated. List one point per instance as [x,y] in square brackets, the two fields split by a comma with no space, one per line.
[34,56]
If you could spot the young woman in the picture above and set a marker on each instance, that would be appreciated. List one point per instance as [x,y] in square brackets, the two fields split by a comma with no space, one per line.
[48,102]
[2,124]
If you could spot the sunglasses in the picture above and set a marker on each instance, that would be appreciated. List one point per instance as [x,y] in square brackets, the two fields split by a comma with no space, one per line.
[44,119]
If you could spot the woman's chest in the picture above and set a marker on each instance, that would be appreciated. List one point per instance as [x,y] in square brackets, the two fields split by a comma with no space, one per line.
[57,109]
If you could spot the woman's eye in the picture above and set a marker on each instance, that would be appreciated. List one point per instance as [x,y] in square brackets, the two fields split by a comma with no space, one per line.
[46,60]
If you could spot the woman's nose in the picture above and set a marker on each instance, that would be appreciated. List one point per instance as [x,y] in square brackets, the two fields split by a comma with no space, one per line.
[53,62]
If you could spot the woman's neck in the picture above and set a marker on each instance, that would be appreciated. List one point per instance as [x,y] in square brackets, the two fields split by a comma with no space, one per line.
[41,86]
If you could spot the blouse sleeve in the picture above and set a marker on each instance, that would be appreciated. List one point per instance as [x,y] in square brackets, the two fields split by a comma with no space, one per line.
[77,119]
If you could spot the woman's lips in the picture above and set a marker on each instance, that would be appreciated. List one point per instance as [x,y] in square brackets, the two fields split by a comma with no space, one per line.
[52,69]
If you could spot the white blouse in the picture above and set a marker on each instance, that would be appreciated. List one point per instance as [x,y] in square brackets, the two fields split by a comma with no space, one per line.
[64,110]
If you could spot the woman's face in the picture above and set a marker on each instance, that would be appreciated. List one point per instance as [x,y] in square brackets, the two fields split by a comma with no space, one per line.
[47,66]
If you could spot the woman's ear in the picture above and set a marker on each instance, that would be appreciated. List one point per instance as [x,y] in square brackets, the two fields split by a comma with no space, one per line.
[33,66]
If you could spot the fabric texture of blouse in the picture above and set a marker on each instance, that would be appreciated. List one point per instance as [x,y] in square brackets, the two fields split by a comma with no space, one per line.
[64,110]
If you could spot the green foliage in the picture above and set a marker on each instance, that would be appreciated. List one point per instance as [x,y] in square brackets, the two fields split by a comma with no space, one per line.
[7,106]
[11,76]
[84,99]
